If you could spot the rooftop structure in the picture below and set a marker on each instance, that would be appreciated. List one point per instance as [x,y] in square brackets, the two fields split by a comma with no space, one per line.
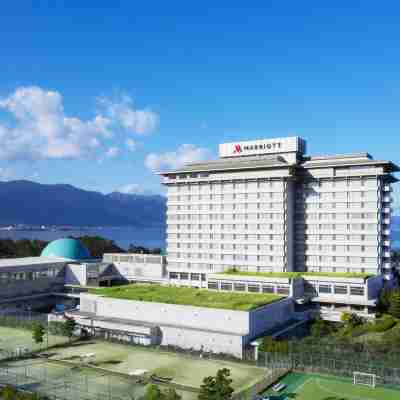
[20,263]
[70,249]
[187,296]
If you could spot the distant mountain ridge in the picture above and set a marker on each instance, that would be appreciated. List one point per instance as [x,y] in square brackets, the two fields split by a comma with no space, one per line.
[31,203]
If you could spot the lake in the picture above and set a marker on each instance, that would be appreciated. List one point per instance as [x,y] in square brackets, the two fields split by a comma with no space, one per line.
[123,236]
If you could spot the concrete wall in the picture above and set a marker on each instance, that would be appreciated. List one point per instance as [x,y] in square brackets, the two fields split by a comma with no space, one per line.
[198,328]
[168,314]
[75,274]
[203,341]
[26,288]
[266,318]
[137,271]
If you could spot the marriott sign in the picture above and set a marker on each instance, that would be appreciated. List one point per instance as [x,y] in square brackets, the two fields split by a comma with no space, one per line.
[258,147]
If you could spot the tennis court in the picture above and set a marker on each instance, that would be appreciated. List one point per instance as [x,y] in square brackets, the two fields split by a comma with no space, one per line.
[12,338]
[322,387]
[182,369]
[68,382]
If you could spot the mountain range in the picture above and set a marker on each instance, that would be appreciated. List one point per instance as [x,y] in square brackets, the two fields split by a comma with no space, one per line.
[31,203]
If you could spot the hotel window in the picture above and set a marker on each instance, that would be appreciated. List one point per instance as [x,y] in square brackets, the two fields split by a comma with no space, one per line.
[226,286]
[324,289]
[212,285]
[239,287]
[184,276]
[268,289]
[253,288]
[356,290]
[173,275]
[339,289]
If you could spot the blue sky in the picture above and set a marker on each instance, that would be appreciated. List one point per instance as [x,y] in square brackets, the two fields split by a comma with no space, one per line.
[111,84]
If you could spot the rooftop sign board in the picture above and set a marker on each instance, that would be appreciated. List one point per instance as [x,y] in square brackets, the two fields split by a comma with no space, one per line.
[262,146]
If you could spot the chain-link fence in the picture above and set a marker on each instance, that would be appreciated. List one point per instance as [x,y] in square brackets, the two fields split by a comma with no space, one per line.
[73,384]
[332,363]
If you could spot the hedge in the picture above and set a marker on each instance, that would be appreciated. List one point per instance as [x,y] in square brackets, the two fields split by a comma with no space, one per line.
[380,325]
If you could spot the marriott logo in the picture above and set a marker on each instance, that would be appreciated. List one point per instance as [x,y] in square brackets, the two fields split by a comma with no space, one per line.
[238,148]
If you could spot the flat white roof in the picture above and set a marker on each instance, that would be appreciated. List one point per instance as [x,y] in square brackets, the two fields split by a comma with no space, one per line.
[27,261]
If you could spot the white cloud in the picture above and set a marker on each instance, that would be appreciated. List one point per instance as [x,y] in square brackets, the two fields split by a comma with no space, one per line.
[131,144]
[132,188]
[123,111]
[186,153]
[42,130]
[112,152]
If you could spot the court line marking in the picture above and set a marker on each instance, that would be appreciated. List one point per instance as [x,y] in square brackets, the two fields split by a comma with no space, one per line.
[323,388]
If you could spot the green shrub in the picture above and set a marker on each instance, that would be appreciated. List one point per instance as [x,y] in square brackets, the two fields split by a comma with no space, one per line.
[383,324]
[56,328]
[393,336]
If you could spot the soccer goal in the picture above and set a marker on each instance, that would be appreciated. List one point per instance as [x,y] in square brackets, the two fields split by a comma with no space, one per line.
[364,378]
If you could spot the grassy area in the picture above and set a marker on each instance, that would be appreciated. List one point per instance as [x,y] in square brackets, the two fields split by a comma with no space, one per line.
[187,296]
[321,387]
[183,369]
[338,274]
[290,275]
[293,275]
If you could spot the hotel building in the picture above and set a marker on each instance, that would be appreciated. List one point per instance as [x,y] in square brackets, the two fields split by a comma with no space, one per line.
[266,206]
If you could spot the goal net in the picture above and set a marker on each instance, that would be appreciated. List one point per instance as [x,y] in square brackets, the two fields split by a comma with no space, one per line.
[363,378]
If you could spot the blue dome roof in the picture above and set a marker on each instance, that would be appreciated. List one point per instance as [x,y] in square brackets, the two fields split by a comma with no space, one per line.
[66,248]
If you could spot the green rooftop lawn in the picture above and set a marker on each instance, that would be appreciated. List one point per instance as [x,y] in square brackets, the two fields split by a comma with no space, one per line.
[188,296]
[339,274]
[265,274]
[293,275]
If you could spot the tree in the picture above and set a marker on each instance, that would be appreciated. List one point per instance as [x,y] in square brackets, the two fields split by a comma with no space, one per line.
[153,392]
[9,393]
[171,394]
[270,345]
[69,328]
[218,387]
[320,328]
[394,308]
[97,245]
[224,384]
[384,299]
[38,332]
[351,320]
[208,390]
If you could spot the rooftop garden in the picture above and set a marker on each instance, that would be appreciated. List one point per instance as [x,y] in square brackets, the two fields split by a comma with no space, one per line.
[263,274]
[187,296]
[293,275]
[339,274]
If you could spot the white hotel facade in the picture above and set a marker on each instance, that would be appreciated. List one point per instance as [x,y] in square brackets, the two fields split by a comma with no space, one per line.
[264,206]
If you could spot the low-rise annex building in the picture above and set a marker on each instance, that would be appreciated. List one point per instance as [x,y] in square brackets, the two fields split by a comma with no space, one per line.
[227,330]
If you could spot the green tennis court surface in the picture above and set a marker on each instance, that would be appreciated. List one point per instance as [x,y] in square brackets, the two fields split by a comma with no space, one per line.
[12,338]
[182,369]
[66,382]
[322,387]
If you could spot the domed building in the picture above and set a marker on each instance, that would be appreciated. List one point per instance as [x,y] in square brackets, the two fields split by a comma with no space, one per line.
[71,249]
